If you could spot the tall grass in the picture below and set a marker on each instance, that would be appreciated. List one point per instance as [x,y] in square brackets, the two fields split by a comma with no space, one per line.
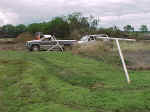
[100,50]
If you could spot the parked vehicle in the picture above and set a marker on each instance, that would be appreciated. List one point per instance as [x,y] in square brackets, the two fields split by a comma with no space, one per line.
[49,43]
[92,38]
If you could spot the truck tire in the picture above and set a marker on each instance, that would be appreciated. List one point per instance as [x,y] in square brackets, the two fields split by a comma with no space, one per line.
[35,48]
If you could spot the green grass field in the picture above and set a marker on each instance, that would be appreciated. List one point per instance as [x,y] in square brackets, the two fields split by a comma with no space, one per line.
[62,82]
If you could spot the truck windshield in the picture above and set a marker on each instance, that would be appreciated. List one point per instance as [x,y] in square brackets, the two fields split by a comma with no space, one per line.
[84,38]
[45,39]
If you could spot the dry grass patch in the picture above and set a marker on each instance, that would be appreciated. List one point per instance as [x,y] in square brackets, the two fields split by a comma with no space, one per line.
[102,51]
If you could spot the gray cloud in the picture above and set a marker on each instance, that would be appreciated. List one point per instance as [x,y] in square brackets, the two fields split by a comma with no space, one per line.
[111,12]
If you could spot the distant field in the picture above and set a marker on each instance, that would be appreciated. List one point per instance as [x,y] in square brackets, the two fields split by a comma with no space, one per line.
[11,44]
[135,46]
[6,39]
[62,82]
[137,53]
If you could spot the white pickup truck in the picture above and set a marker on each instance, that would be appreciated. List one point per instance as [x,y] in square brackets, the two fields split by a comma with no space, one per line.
[48,42]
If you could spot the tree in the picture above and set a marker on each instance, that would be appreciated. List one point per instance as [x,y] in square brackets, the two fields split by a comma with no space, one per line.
[93,22]
[128,28]
[58,27]
[64,26]
[76,21]
[20,29]
[81,24]
[9,29]
[144,28]
[36,27]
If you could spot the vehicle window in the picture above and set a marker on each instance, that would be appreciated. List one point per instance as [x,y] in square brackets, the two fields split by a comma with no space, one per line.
[46,39]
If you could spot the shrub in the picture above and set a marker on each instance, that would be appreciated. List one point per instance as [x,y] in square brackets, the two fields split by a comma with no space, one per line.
[98,50]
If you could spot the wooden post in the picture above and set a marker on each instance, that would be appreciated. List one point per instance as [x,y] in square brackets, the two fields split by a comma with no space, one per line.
[123,61]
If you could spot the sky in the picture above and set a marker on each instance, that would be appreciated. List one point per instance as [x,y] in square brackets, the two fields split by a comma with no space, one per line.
[110,12]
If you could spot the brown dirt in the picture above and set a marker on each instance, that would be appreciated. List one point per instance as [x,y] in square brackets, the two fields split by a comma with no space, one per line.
[138,60]
[17,43]
[24,37]
[11,62]
[12,46]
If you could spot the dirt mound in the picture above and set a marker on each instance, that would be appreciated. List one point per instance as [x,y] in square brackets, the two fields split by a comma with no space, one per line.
[24,37]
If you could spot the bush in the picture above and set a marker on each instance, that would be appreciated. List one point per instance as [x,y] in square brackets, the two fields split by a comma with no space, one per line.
[98,50]
[75,35]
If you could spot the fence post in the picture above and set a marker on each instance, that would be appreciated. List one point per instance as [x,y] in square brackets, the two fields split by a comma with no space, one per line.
[123,61]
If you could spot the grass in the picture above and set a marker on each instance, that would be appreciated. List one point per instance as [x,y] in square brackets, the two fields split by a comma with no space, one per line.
[62,82]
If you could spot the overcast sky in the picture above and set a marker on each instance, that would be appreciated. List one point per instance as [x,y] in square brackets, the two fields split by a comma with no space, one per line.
[110,12]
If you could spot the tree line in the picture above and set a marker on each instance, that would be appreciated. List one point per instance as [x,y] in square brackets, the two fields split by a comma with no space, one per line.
[71,26]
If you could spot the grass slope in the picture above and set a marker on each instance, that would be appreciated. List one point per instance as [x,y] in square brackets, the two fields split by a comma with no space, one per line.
[61,82]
